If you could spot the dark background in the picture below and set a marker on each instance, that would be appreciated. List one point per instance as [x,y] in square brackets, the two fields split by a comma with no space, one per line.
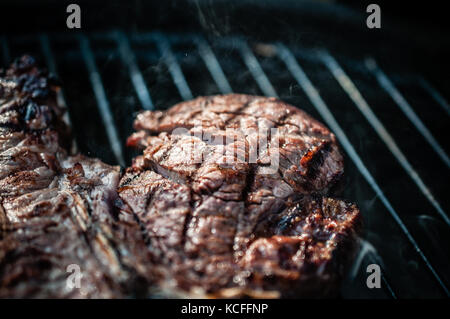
[413,35]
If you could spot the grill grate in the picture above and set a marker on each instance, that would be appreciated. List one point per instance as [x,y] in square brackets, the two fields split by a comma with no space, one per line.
[154,61]
[364,107]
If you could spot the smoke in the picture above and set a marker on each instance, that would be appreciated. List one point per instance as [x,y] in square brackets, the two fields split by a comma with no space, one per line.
[213,17]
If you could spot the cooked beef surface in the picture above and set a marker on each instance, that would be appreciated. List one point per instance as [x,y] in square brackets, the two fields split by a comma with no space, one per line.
[207,210]
[57,210]
[221,218]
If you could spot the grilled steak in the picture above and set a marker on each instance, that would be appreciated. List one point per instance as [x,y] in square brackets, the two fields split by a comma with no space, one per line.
[56,213]
[221,218]
[229,199]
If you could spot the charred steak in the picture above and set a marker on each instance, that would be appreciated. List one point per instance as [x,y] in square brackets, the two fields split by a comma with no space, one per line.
[229,199]
[222,216]
[56,210]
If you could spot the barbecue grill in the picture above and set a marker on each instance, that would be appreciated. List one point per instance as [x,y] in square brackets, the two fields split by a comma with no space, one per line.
[389,121]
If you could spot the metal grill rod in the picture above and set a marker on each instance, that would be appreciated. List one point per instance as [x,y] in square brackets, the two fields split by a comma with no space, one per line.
[213,65]
[5,49]
[255,69]
[313,95]
[435,94]
[174,68]
[136,77]
[406,108]
[102,101]
[348,86]
[367,250]
[51,64]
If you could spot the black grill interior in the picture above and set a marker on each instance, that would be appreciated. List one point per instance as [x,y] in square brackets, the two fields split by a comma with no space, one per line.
[399,180]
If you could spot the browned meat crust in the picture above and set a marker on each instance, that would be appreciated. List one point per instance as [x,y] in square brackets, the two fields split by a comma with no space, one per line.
[227,225]
[57,210]
[238,227]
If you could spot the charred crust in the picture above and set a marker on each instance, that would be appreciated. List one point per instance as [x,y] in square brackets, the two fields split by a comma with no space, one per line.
[276,216]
